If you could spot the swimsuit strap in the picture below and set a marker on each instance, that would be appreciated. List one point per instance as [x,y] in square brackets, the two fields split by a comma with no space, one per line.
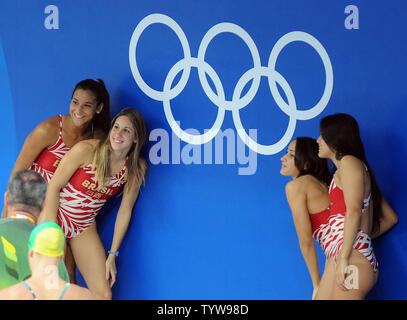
[35,296]
[366,200]
[64,290]
[60,125]
[366,203]
[332,185]
[31,290]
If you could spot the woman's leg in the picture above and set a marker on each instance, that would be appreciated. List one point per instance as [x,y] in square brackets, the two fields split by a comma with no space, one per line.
[70,263]
[361,281]
[328,278]
[90,259]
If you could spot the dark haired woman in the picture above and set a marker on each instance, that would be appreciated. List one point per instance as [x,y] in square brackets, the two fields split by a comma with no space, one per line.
[357,212]
[89,174]
[307,195]
[89,117]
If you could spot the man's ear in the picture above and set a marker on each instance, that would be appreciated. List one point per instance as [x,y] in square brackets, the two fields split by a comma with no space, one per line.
[6,199]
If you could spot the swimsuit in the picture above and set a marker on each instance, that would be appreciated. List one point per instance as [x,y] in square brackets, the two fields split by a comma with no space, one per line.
[80,200]
[49,158]
[35,296]
[328,226]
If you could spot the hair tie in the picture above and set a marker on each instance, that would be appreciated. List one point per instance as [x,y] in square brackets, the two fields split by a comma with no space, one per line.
[98,81]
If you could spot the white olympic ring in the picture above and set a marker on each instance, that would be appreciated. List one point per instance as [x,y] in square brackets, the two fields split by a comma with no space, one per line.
[232,28]
[192,138]
[254,74]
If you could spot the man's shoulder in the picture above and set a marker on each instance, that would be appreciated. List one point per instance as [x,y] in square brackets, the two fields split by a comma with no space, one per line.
[15,228]
[20,224]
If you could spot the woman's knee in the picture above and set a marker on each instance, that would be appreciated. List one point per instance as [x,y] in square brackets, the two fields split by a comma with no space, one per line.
[103,294]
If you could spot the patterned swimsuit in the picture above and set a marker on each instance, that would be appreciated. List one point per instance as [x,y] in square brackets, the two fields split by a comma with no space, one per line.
[80,200]
[49,158]
[328,226]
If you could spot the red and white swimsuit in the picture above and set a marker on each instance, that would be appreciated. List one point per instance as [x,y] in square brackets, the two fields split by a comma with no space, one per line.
[49,158]
[80,201]
[328,226]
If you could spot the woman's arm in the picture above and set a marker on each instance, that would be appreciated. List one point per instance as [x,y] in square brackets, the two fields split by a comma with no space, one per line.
[122,222]
[297,200]
[73,159]
[43,136]
[352,184]
[389,220]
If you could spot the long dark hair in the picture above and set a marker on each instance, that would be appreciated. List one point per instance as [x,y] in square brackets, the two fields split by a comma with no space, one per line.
[341,132]
[98,88]
[308,162]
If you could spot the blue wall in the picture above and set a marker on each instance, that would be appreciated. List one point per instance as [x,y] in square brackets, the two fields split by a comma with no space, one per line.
[207,231]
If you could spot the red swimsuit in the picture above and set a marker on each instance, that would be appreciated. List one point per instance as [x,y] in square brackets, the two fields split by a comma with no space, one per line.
[328,226]
[80,201]
[49,158]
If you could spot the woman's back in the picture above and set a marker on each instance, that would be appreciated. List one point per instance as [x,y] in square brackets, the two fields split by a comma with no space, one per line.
[316,193]
[366,207]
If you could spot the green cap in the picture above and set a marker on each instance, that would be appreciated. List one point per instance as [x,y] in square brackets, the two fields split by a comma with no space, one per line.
[47,239]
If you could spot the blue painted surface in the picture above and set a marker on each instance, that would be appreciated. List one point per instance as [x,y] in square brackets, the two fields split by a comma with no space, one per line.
[202,231]
[8,141]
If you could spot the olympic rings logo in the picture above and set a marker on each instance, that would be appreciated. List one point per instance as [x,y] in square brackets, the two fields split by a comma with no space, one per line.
[254,74]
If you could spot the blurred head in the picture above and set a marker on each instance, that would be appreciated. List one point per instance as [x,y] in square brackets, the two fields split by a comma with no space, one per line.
[47,239]
[26,192]
[91,102]
[46,245]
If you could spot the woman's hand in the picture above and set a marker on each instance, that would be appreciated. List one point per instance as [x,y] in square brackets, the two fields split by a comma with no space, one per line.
[341,268]
[111,270]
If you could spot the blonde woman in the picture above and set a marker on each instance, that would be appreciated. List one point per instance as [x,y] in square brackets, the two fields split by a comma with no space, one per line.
[90,173]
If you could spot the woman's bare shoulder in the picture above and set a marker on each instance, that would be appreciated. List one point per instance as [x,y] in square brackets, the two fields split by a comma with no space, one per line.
[295,186]
[351,162]
[49,126]
[46,132]
[303,184]
[88,145]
